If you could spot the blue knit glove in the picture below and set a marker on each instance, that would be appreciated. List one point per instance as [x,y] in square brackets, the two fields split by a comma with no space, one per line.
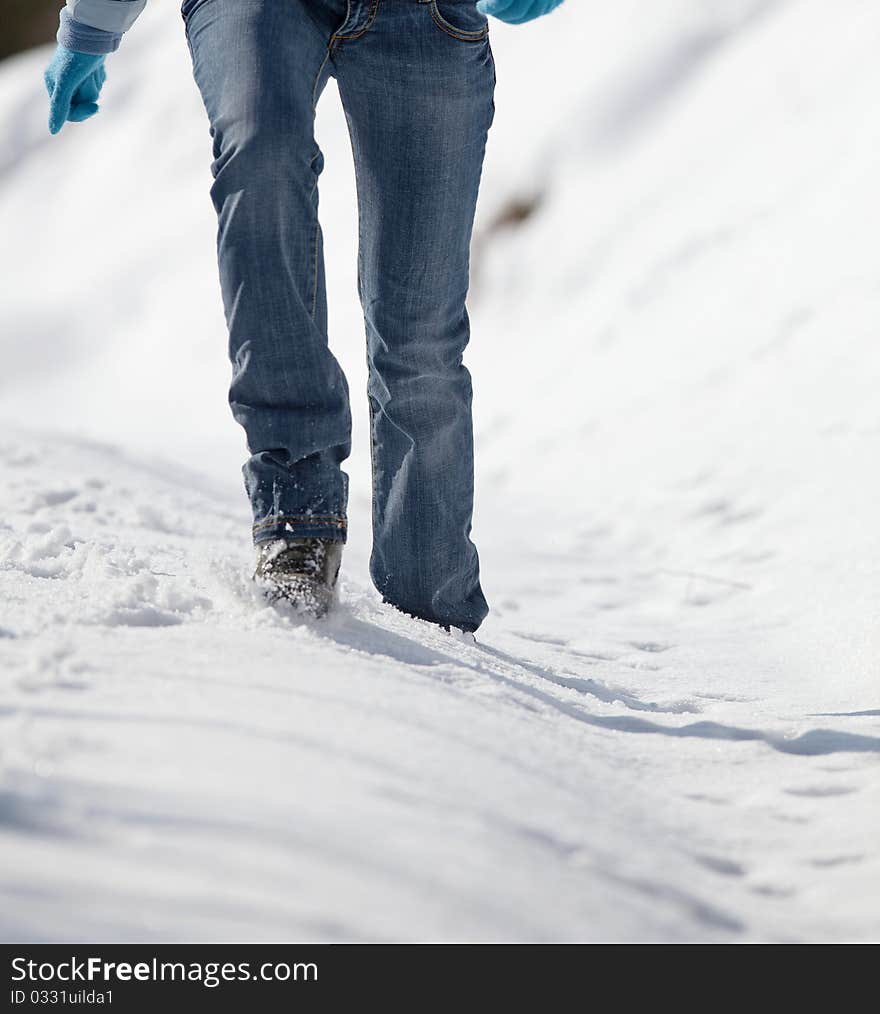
[74,82]
[517,12]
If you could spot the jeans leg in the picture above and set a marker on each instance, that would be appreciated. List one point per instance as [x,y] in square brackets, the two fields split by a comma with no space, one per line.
[419,104]
[260,66]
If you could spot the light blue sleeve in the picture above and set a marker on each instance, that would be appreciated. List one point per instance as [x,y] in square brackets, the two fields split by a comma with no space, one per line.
[97,26]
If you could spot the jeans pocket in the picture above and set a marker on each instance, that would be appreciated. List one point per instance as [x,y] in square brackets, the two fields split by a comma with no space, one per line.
[459,18]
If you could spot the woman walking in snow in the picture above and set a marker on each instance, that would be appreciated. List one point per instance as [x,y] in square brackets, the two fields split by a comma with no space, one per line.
[416,79]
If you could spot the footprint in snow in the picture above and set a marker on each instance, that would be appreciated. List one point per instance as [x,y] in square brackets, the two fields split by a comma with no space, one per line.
[52,498]
[720,865]
[652,647]
[773,891]
[822,791]
[829,862]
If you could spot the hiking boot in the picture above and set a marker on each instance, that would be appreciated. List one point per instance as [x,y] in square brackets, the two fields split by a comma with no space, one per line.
[301,572]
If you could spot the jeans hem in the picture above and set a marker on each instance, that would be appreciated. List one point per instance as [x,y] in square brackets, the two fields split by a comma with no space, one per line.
[300,526]
[469,626]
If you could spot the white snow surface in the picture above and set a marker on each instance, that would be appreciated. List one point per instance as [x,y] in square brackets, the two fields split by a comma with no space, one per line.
[669,727]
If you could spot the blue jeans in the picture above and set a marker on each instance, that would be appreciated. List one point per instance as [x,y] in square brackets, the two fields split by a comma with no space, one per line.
[416,79]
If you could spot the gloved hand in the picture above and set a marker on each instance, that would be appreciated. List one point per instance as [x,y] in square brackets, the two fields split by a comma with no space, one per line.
[516,12]
[74,82]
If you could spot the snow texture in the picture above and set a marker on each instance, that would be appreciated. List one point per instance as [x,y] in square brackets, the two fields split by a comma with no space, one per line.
[669,727]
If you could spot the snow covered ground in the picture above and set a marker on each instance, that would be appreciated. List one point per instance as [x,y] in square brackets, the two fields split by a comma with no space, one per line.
[669,728]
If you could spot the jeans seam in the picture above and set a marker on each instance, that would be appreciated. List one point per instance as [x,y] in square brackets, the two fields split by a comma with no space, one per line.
[185,20]
[314,300]
[374,486]
[370,368]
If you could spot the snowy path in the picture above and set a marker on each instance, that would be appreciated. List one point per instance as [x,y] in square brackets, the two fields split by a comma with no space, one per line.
[369,777]
[670,726]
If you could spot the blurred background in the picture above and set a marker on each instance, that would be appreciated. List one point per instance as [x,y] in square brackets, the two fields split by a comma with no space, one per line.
[672,731]
[27,23]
